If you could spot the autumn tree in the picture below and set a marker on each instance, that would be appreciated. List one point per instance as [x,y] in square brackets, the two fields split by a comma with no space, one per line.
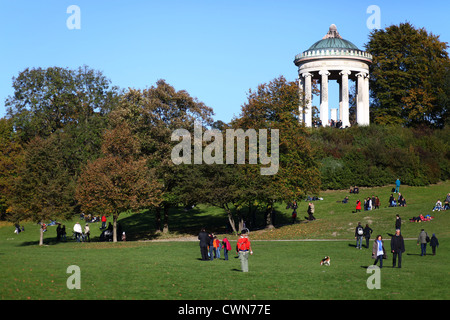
[275,105]
[153,114]
[408,76]
[11,157]
[119,180]
[43,188]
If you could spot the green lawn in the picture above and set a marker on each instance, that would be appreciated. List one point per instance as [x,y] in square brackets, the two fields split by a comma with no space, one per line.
[278,269]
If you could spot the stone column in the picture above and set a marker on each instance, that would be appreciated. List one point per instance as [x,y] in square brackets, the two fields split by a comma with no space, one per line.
[344,105]
[301,89]
[366,100]
[360,100]
[324,97]
[307,105]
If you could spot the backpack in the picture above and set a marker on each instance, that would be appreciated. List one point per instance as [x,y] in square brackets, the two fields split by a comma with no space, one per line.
[243,244]
[360,231]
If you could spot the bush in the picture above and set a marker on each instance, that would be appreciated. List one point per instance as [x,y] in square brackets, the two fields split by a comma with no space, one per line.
[377,155]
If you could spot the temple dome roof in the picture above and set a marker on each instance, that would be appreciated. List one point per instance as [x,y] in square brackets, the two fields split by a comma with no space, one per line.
[332,45]
[333,40]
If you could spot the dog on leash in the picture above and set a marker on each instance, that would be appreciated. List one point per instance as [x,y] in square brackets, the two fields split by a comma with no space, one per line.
[325,261]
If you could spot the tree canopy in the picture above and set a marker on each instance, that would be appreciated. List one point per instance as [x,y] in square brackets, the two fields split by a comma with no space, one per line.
[409,76]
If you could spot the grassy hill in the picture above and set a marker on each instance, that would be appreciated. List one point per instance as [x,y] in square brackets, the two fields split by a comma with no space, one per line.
[278,269]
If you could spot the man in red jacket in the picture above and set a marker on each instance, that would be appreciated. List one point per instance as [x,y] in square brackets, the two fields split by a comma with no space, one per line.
[243,248]
[103,222]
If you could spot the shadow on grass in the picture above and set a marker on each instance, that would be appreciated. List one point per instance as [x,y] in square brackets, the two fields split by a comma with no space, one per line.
[142,226]
[182,222]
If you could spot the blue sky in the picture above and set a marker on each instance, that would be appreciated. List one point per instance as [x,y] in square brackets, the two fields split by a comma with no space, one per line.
[215,49]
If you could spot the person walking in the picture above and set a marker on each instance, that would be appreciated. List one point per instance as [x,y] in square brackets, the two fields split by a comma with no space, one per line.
[243,248]
[226,247]
[378,251]
[87,232]
[397,186]
[358,206]
[422,240]
[311,212]
[103,222]
[78,231]
[204,241]
[367,233]
[359,233]
[434,243]
[397,248]
[398,222]
[211,247]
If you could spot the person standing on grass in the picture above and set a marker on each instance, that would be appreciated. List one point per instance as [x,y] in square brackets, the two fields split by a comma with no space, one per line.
[87,232]
[226,247]
[78,231]
[358,206]
[377,202]
[434,243]
[103,222]
[204,241]
[397,186]
[398,222]
[367,233]
[217,247]
[244,248]
[378,251]
[359,233]
[397,248]
[422,240]
[311,212]
[211,247]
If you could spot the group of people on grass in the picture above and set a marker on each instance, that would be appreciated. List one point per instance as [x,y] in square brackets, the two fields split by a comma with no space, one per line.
[440,207]
[309,211]
[210,247]
[397,243]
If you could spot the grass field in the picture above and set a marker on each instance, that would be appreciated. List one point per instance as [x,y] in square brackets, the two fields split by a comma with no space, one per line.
[287,269]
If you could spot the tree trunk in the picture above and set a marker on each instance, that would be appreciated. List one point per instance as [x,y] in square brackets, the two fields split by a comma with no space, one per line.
[269,217]
[115,227]
[230,217]
[166,218]
[158,219]
[41,236]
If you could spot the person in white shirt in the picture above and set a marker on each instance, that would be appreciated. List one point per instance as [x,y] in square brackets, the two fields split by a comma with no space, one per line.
[378,251]
[78,231]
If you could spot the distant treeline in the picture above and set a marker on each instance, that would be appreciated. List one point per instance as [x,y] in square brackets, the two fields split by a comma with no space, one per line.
[377,155]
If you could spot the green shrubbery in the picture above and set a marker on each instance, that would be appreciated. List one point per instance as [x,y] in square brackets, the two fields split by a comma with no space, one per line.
[376,155]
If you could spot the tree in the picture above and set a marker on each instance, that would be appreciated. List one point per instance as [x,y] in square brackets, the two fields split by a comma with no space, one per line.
[46,100]
[275,106]
[153,114]
[119,180]
[408,76]
[44,188]
[11,158]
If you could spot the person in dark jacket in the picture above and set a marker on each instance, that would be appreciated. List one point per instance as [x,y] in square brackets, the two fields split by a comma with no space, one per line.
[434,243]
[398,222]
[204,242]
[367,232]
[397,248]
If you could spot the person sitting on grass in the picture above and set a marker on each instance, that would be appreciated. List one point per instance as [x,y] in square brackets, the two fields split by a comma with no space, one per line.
[402,202]
[438,206]
[392,202]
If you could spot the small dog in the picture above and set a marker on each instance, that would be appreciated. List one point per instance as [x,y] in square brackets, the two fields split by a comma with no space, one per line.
[325,261]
